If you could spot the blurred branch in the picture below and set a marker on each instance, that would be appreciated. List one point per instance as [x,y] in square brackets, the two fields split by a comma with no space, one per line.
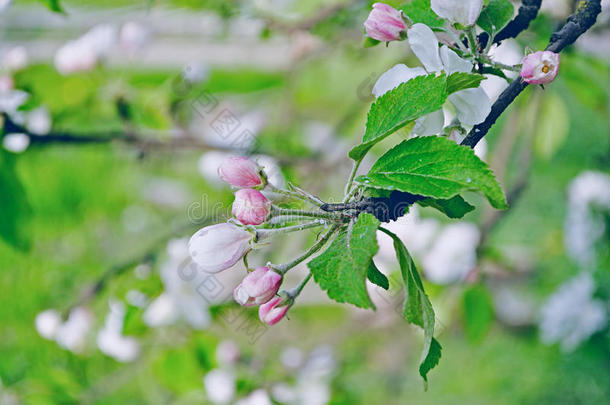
[149,255]
[143,141]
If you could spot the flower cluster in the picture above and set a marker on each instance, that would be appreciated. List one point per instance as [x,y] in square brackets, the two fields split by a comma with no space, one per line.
[219,247]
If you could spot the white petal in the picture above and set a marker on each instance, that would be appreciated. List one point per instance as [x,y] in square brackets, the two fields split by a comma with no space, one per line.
[464,12]
[472,105]
[431,124]
[424,45]
[453,63]
[395,76]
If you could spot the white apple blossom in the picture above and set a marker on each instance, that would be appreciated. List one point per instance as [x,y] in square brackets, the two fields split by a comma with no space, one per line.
[571,315]
[471,105]
[465,12]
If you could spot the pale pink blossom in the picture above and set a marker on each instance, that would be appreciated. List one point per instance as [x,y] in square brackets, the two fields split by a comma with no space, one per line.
[250,207]
[540,67]
[273,311]
[218,247]
[385,23]
[257,287]
[239,171]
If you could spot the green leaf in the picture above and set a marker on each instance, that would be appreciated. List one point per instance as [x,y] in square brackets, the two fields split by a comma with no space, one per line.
[431,360]
[435,167]
[343,268]
[53,5]
[477,310]
[407,102]
[370,42]
[396,108]
[455,207]
[419,11]
[496,15]
[460,81]
[418,309]
[16,210]
[553,126]
[377,277]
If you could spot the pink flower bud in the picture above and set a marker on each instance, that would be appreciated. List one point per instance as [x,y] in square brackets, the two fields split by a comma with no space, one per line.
[385,23]
[273,311]
[250,207]
[540,67]
[257,287]
[239,171]
[218,247]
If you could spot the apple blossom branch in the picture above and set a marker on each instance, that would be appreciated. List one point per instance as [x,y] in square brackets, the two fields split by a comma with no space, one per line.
[391,208]
[576,25]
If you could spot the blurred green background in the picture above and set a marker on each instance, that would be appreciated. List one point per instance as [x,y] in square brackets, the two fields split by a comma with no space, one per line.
[87,224]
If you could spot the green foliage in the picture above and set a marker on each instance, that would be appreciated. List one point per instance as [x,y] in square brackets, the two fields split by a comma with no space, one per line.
[460,81]
[419,11]
[478,313]
[377,277]
[53,5]
[552,127]
[396,108]
[455,207]
[343,268]
[407,102]
[434,167]
[496,15]
[418,309]
[16,210]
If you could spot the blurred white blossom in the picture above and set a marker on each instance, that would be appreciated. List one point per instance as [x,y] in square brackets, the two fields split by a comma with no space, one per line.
[72,334]
[166,192]
[16,142]
[4,4]
[84,53]
[588,194]
[219,386]
[571,315]
[208,165]
[227,353]
[16,58]
[180,298]
[258,397]
[110,339]
[453,254]
[47,323]
[133,36]
[38,121]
